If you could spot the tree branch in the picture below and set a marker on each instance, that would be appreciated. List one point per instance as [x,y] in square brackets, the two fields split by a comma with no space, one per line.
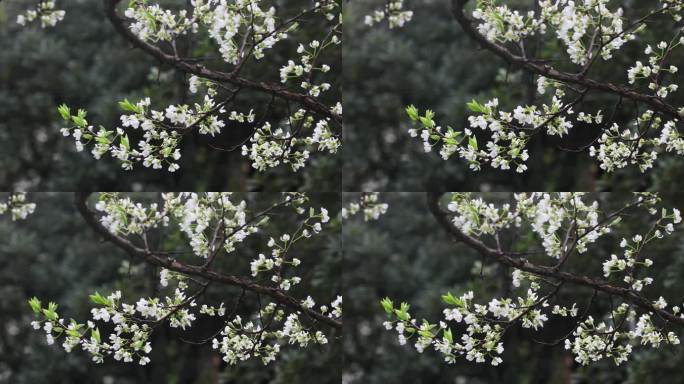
[169,263]
[458,10]
[201,71]
[539,270]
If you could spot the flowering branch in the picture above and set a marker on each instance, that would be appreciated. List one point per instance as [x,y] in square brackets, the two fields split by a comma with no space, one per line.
[590,32]
[18,206]
[214,224]
[241,32]
[369,203]
[566,224]
[45,12]
[190,270]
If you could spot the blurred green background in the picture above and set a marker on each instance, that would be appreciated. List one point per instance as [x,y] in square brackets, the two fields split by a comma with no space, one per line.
[84,63]
[431,63]
[56,256]
[406,256]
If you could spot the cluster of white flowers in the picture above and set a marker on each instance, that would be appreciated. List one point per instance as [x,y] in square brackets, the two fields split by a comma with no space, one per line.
[226,22]
[280,248]
[393,11]
[162,131]
[208,220]
[655,71]
[566,223]
[121,215]
[485,324]
[271,147]
[617,148]
[509,132]
[18,206]
[240,340]
[594,340]
[369,204]
[500,23]
[199,216]
[547,215]
[307,66]
[633,257]
[129,341]
[45,12]
[575,23]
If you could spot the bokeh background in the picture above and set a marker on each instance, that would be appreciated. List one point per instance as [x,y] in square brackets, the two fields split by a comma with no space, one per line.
[84,63]
[406,256]
[56,256]
[432,64]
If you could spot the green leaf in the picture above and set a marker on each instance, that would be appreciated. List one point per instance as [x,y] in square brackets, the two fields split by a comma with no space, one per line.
[448,335]
[412,112]
[95,333]
[99,299]
[402,312]
[73,331]
[52,306]
[426,334]
[452,300]
[387,305]
[472,142]
[474,106]
[79,121]
[50,312]
[125,143]
[35,304]
[128,106]
[102,140]
[64,112]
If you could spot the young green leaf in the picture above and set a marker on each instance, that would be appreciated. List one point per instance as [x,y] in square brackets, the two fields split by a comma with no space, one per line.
[474,106]
[97,298]
[448,335]
[412,112]
[95,334]
[472,142]
[64,112]
[35,304]
[387,305]
[128,106]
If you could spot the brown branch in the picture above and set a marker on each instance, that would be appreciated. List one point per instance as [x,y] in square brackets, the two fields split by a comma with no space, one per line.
[539,270]
[169,263]
[201,71]
[530,65]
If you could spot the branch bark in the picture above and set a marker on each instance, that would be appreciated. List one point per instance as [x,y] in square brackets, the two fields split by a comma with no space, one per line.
[524,265]
[150,257]
[656,103]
